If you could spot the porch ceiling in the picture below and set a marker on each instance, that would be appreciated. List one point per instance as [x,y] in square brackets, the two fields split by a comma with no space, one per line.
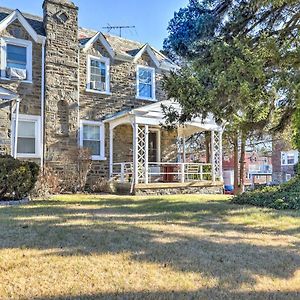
[153,115]
[6,96]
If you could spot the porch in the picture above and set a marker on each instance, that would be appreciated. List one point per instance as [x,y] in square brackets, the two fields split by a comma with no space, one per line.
[156,158]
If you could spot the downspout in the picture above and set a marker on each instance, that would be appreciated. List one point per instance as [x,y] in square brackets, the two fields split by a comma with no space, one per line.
[16,128]
[43,107]
[78,105]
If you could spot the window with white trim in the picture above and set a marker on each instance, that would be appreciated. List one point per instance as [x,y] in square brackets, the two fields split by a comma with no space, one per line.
[98,75]
[145,83]
[16,59]
[29,136]
[289,158]
[92,137]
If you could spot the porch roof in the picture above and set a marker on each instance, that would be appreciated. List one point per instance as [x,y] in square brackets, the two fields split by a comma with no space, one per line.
[153,115]
[6,96]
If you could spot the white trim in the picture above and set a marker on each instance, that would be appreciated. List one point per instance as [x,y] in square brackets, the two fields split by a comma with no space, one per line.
[38,145]
[101,138]
[99,36]
[284,157]
[16,42]
[148,49]
[105,60]
[17,15]
[153,98]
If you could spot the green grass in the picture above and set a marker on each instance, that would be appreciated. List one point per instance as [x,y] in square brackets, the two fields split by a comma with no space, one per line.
[164,247]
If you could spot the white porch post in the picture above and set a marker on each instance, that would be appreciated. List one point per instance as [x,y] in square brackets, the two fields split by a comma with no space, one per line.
[146,154]
[213,154]
[183,152]
[135,152]
[16,129]
[221,154]
[111,150]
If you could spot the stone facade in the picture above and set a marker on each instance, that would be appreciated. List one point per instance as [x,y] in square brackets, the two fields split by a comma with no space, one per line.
[30,93]
[67,100]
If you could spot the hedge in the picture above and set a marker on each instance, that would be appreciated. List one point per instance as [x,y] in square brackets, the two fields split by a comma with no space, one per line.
[17,178]
[285,196]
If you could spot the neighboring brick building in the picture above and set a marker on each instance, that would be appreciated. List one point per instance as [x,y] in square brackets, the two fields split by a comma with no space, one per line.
[75,87]
[284,160]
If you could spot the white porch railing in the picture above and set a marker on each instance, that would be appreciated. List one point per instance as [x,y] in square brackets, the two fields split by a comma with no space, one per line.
[165,172]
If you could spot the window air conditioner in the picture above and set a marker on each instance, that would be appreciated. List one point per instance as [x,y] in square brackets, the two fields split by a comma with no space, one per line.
[98,86]
[16,74]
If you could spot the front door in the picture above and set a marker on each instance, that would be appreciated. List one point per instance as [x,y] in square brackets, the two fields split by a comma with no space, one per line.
[153,155]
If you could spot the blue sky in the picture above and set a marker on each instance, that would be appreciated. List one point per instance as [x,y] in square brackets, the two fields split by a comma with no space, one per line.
[150,17]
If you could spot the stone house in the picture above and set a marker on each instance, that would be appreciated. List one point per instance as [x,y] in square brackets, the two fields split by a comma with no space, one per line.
[63,87]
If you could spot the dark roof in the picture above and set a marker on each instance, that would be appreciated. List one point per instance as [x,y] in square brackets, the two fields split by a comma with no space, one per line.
[35,21]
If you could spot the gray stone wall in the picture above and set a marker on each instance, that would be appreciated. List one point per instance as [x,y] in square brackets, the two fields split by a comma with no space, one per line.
[30,93]
[61,75]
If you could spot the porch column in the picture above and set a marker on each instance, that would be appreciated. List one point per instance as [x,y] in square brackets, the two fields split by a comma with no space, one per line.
[146,154]
[221,154]
[135,152]
[111,150]
[213,154]
[183,150]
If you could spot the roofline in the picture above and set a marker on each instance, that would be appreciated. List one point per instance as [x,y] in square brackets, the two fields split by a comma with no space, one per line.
[17,15]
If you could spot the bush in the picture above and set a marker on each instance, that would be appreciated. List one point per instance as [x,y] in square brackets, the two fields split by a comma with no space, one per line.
[17,178]
[285,196]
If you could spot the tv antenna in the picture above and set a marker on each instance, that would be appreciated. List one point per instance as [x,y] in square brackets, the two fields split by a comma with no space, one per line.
[109,28]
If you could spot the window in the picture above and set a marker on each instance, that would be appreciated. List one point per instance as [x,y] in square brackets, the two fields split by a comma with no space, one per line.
[98,75]
[28,144]
[288,177]
[289,158]
[92,137]
[16,59]
[145,83]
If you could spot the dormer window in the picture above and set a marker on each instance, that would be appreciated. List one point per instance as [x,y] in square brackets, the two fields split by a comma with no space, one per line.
[98,75]
[16,59]
[145,83]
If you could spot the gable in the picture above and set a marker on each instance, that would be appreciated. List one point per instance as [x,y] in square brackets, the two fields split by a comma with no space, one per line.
[17,15]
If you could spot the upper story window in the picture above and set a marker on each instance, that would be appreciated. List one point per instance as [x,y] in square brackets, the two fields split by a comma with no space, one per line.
[16,59]
[98,75]
[92,137]
[145,83]
[289,158]
[29,141]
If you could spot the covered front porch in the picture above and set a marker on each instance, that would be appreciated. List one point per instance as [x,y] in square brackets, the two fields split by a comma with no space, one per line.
[145,155]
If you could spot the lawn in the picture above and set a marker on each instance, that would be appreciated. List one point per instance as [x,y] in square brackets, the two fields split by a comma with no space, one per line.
[166,247]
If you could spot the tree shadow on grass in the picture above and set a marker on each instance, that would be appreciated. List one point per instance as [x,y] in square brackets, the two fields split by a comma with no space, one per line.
[178,295]
[83,228]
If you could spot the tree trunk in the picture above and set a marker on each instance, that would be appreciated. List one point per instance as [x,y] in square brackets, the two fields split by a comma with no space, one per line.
[236,163]
[242,164]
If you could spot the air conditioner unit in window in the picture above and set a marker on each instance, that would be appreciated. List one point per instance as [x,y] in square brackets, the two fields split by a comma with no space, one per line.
[98,86]
[16,74]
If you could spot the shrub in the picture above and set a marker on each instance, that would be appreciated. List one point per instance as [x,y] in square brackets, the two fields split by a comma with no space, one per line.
[17,178]
[47,183]
[285,196]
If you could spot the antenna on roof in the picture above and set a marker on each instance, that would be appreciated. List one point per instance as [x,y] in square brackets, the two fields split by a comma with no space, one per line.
[120,28]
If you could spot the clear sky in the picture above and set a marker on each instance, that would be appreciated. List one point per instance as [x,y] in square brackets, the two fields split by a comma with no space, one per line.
[150,17]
